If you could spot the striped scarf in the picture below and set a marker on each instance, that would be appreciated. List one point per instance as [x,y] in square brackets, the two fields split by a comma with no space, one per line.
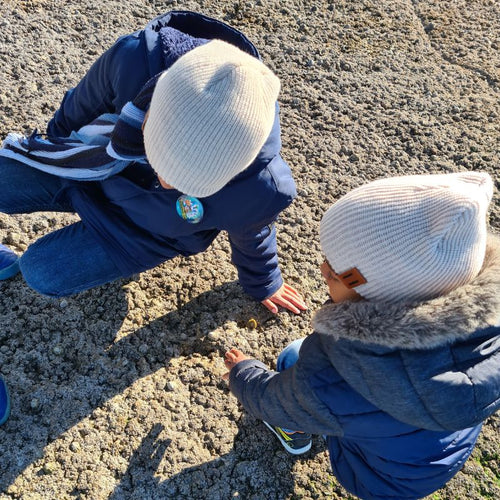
[96,151]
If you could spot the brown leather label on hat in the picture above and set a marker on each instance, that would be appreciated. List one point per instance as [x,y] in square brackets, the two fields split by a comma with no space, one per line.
[352,278]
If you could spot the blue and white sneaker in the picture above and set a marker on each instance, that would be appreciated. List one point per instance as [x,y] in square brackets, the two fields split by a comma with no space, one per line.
[9,263]
[4,402]
[295,442]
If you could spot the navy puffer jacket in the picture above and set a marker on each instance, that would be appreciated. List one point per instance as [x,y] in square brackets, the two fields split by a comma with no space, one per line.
[130,214]
[401,391]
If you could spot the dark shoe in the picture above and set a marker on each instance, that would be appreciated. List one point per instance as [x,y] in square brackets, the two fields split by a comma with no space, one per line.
[9,263]
[4,402]
[295,442]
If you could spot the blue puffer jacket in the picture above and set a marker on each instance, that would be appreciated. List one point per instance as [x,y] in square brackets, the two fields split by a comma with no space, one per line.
[132,216]
[401,391]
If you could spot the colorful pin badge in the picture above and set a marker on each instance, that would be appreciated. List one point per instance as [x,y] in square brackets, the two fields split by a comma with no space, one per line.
[189,208]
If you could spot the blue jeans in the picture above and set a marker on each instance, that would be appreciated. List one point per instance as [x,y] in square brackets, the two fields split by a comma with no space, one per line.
[63,262]
[289,355]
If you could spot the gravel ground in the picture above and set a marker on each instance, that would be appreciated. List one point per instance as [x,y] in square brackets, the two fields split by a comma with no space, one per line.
[117,392]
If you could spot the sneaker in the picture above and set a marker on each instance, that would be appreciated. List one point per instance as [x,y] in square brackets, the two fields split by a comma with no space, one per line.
[295,442]
[4,402]
[9,263]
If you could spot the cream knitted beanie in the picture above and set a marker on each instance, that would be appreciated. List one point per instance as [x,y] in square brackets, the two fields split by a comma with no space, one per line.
[412,237]
[210,114]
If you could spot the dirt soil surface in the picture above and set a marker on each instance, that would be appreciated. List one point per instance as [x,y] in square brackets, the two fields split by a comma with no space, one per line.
[117,392]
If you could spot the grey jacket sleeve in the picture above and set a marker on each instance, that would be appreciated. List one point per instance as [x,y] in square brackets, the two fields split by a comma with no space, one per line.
[283,399]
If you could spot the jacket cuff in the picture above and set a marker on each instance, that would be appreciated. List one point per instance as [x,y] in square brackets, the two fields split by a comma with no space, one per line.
[264,292]
[237,378]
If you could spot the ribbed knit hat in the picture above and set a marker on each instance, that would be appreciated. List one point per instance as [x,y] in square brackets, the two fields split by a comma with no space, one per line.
[412,237]
[210,114]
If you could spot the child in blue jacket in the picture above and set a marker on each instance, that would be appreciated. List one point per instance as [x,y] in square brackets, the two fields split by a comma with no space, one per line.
[403,366]
[171,137]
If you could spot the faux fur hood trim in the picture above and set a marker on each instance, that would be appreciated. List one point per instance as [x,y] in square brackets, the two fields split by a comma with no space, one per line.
[420,325]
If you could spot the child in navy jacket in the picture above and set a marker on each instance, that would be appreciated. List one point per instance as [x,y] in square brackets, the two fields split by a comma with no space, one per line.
[403,366]
[171,137]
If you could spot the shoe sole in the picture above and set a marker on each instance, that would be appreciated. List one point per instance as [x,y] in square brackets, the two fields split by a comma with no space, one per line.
[293,451]
[10,271]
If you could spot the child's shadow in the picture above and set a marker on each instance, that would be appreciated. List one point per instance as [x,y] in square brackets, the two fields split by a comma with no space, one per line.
[53,388]
[257,467]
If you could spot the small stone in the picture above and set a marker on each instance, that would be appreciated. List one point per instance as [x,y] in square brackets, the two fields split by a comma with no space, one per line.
[75,446]
[85,431]
[63,303]
[49,468]
[35,404]
[345,66]
[170,386]
[57,350]
[13,238]
[213,335]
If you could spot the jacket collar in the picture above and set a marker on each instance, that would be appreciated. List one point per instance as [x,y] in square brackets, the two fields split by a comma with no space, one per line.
[195,25]
[422,325]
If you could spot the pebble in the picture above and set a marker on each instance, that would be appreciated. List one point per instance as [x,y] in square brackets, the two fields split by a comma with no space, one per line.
[170,386]
[429,27]
[13,238]
[75,446]
[213,335]
[49,468]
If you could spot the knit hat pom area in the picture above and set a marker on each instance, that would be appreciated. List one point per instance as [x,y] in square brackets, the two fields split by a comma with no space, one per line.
[210,114]
[411,237]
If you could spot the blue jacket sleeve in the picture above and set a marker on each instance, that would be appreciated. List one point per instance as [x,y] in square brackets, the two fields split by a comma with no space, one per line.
[254,253]
[283,399]
[115,78]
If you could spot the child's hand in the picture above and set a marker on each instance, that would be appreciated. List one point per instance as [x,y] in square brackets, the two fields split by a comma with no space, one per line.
[231,359]
[286,297]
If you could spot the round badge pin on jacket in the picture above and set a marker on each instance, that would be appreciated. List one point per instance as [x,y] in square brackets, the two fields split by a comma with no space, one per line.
[189,208]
